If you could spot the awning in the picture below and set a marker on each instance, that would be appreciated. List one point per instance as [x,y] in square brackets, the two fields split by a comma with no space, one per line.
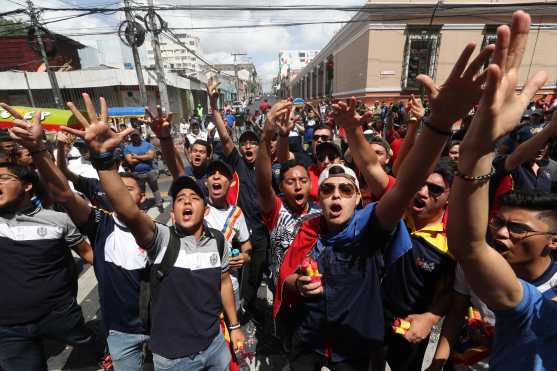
[125,112]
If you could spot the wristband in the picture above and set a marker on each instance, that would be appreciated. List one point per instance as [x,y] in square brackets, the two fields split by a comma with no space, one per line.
[103,161]
[437,130]
[234,327]
[101,155]
[475,179]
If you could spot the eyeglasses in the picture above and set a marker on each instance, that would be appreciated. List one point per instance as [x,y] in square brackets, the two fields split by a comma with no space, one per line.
[249,142]
[321,138]
[321,156]
[517,231]
[346,190]
[434,190]
[4,178]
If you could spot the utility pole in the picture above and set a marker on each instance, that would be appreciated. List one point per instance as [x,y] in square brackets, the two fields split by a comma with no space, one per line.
[136,59]
[235,55]
[51,75]
[29,92]
[161,82]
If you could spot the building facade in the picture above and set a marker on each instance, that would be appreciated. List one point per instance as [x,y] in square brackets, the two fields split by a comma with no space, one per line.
[379,53]
[176,58]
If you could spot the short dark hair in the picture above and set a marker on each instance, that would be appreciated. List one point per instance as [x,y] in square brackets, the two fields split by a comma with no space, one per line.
[446,169]
[323,127]
[27,175]
[284,167]
[130,175]
[534,200]
[205,144]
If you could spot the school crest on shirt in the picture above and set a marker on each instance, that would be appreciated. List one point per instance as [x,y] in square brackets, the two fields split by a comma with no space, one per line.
[41,231]
[425,265]
[214,259]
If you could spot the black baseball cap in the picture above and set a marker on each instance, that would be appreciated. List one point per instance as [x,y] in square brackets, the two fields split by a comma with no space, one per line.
[5,135]
[222,167]
[248,135]
[185,182]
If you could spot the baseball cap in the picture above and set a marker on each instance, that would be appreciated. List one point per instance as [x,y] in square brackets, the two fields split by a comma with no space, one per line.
[185,182]
[221,166]
[248,135]
[4,135]
[80,143]
[378,140]
[338,170]
[329,148]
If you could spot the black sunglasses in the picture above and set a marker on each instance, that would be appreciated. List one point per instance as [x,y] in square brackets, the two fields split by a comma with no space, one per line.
[346,190]
[323,138]
[321,156]
[434,190]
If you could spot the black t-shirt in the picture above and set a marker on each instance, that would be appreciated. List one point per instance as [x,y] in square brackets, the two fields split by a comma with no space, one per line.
[247,194]
[93,190]
[411,282]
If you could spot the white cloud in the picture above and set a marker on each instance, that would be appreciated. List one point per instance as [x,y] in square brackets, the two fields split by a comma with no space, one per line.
[261,44]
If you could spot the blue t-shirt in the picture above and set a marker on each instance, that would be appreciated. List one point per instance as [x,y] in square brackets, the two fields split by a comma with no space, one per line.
[141,149]
[526,336]
[230,120]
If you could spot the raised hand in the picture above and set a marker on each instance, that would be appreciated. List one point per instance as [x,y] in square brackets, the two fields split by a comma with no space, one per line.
[280,117]
[28,134]
[346,115]
[160,124]
[462,89]
[213,91]
[500,107]
[98,135]
[415,108]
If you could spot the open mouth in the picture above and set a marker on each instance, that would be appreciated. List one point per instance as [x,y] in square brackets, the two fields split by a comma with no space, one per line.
[217,186]
[336,210]
[249,153]
[188,213]
[499,246]
[299,197]
[418,204]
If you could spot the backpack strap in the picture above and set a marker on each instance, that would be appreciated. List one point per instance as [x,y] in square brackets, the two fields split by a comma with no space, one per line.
[220,240]
[169,258]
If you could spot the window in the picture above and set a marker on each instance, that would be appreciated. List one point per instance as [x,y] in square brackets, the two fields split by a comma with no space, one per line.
[420,55]
[192,43]
[302,54]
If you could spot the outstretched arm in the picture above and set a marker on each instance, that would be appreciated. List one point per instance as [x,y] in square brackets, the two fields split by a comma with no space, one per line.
[160,124]
[527,150]
[449,103]
[417,112]
[263,165]
[102,142]
[487,272]
[213,92]
[61,157]
[361,151]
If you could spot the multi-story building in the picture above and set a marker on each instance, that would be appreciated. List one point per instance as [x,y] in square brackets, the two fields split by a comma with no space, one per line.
[379,53]
[290,63]
[176,58]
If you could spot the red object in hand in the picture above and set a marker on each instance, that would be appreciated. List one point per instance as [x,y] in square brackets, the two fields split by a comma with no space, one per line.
[309,268]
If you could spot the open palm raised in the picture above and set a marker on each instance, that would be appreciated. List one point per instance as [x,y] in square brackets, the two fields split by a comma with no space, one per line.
[98,135]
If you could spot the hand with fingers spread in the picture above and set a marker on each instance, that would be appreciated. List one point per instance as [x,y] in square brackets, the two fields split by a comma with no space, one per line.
[462,89]
[279,117]
[97,133]
[28,134]
[346,115]
[501,108]
[160,124]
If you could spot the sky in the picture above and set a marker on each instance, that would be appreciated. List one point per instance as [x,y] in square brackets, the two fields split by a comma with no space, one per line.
[262,45]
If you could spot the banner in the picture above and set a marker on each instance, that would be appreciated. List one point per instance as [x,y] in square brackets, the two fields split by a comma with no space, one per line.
[51,118]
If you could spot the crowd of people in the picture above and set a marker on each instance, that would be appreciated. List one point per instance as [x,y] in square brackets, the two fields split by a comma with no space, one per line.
[340,208]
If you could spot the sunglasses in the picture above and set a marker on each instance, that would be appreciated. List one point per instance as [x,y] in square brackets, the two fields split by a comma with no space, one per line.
[346,190]
[322,138]
[434,190]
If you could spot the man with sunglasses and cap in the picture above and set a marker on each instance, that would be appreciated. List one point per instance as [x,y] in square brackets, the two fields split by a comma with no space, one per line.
[282,215]
[185,329]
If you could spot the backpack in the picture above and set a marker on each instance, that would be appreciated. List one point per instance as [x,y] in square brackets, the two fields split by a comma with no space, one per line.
[152,276]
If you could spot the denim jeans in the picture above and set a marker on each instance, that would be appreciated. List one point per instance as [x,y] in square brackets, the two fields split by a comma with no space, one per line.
[151,178]
[21,346]
[215,358]
[126,350]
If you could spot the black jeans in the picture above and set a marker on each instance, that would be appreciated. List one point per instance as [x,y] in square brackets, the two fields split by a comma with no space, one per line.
[303,358]
[402,355]
[21,346]
[253,274]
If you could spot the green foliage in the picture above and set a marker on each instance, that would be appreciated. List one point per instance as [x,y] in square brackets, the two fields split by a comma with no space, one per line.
[12,28]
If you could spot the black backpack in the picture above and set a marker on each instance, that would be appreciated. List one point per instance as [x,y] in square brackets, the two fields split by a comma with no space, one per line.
[152,277]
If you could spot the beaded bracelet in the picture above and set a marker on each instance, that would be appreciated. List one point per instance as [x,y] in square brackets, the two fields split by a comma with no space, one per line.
[437,130]
[475,179]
